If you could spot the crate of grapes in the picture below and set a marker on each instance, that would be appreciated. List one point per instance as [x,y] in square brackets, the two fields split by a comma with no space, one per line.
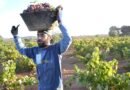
[39,17]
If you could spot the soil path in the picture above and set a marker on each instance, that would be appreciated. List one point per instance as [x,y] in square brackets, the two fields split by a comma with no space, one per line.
[68,62]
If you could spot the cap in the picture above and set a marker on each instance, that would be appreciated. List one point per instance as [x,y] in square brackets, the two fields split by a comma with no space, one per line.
[46,32]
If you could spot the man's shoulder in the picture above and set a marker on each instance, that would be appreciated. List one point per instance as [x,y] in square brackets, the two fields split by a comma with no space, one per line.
[34,48]
[52,47]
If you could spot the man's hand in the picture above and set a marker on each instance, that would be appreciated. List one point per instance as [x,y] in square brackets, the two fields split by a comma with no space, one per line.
[14,30]
[59,13]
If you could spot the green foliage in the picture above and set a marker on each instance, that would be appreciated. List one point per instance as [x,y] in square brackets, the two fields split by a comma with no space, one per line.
[110,47]
[126,52]
[7,71]
[9,80]
[8,52]
[24,64]
[102,75]
[30,42]
[8,58]
[100,66]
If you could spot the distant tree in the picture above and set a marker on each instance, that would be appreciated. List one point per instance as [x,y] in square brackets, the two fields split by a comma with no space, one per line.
[125,30]
[114,31]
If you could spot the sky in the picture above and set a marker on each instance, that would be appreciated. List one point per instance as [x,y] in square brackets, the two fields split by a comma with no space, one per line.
[81,17]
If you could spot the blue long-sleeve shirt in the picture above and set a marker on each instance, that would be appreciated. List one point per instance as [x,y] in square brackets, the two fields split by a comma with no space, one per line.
[47,60]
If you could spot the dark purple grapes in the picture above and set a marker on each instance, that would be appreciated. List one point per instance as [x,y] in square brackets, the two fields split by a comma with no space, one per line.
[38,7]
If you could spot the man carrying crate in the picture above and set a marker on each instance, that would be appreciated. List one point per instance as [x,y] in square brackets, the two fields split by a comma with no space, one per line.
[47,57]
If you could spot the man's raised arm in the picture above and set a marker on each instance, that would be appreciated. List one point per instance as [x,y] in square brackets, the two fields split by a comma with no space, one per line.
[66,39]
[19,44]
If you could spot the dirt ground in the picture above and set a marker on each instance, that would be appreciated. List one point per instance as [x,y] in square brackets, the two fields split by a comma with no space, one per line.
[68,62]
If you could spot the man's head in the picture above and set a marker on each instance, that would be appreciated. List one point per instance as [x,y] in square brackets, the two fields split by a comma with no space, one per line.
[43,38]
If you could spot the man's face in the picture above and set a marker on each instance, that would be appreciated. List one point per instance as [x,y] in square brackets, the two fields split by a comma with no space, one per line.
[43,39]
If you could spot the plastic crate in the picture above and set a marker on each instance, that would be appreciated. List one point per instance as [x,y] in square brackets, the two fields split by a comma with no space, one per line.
[41,20]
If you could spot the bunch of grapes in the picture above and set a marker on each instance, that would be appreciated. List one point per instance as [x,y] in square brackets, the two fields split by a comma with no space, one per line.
[39,7]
